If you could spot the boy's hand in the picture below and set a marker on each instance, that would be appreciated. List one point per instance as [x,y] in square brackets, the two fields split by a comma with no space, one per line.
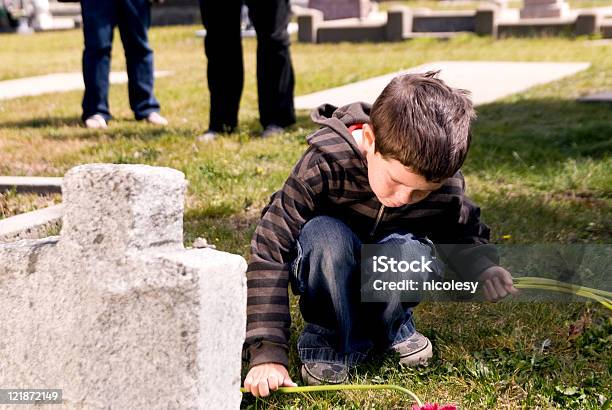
[497,283]
[265,377]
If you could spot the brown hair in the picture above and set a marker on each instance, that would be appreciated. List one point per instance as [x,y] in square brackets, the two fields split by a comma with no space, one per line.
[421,122]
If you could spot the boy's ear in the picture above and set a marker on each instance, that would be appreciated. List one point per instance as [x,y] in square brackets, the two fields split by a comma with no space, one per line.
[369,138]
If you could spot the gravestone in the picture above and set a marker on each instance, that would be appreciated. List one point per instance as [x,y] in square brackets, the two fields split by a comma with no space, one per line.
[544,9]
[115,311]
[341,9]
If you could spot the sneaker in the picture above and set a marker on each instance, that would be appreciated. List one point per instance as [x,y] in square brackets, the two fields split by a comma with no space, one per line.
[317,373]
[208,136]
[96,121]
[156,119]
[416,350]
[272,130]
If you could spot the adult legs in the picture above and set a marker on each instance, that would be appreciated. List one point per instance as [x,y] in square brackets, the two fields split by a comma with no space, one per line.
[99,19]
[223,48]
[275,78]
[134,19]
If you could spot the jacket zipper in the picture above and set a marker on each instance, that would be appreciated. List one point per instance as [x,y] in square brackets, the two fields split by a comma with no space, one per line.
[378,218]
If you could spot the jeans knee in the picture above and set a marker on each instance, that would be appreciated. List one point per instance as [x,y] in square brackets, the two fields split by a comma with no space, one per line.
[410,242]
[328,243]
[411,248]
[327,235]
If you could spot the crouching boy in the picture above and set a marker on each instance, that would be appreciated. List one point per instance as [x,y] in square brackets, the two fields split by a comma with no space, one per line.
[389,173]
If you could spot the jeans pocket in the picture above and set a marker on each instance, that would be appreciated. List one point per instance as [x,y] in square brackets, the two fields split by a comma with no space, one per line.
[297,286]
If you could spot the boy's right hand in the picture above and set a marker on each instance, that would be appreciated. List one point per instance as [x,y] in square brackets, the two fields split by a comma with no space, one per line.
[265,377]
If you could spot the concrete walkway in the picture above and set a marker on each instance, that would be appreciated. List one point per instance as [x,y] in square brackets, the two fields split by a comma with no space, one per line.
[41,185]
[55,83]
[487,80]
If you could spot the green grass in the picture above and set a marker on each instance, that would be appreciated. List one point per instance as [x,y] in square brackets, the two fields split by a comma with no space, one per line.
[12,203]
[540,168]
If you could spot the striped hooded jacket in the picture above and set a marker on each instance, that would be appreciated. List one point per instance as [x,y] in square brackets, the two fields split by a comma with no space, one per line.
[331,179]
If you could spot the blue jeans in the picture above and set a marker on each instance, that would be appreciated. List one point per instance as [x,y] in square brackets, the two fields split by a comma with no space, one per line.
[339,328]
[133,17]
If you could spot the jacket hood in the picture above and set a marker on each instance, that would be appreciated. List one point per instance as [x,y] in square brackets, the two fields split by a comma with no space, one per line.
[335,122]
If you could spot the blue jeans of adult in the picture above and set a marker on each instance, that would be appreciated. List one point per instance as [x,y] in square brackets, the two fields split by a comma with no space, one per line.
[133,17]
[339,328]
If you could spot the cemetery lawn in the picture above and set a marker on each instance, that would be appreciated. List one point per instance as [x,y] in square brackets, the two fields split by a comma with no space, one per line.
[540,168]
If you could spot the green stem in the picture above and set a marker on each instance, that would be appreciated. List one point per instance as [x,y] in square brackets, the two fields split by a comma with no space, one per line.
[337,387]
[546,281]
[604,301]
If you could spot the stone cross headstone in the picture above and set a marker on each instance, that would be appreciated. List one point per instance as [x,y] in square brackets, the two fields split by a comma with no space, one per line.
[341,9]
[544,9]
[114,311]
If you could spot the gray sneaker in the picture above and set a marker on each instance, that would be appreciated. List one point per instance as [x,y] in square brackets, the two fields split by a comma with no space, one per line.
[271,131]
[317,373]
[208,136]
[416,350]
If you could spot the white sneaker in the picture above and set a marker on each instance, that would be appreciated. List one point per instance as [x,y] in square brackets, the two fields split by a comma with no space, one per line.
[156,119]
[96,121]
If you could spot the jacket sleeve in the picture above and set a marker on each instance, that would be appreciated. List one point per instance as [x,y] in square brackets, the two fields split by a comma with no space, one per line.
[465,244]
[272,251]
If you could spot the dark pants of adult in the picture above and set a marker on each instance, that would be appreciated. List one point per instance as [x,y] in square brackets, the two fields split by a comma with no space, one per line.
[223,46]
[133,17]
[339,328]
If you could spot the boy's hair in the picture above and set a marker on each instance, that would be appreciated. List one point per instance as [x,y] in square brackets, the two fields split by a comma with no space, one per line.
[421,122]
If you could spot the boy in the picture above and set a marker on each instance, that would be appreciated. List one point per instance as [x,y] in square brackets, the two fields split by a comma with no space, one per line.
[385,174]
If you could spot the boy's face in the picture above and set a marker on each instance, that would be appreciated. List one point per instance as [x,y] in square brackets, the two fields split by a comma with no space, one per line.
[393,183]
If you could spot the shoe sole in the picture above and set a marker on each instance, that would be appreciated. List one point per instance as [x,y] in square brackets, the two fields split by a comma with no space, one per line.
[420,357]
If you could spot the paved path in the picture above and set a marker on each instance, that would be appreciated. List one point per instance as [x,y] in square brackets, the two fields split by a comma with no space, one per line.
[54,83]
[487,80]
[31,184]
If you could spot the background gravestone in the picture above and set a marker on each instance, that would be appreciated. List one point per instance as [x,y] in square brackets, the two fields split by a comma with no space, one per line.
[341,9]
[114,311]
[544,9]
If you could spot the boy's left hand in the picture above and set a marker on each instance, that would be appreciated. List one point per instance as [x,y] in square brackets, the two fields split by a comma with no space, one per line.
[497,283]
